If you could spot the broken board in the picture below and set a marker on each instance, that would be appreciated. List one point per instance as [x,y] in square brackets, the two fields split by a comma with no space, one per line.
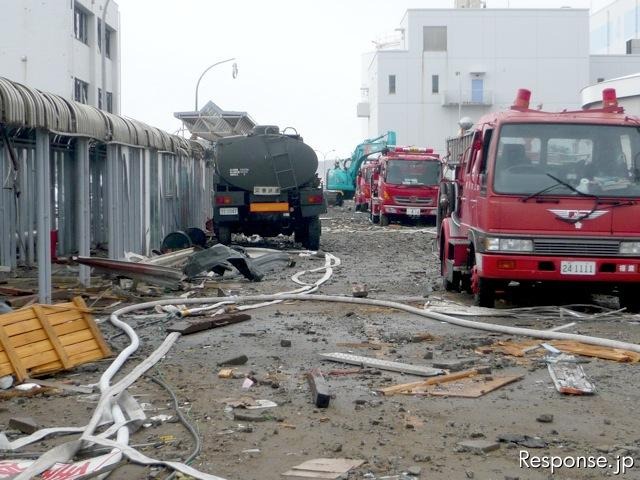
[569,377]
[382,364]
[472,388]
[48,338]
[323,468]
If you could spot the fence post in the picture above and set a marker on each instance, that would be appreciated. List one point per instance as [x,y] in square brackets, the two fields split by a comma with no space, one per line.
[83,213]
[43,188]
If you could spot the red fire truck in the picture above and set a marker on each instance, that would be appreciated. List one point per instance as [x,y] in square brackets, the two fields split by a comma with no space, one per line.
[362,196]
[543,197]
[406,185]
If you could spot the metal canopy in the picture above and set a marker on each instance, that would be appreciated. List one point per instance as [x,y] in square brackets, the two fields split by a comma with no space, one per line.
[212,123]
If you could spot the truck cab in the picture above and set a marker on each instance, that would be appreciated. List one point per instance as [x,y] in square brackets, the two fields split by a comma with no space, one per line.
[546,197]
[406,185]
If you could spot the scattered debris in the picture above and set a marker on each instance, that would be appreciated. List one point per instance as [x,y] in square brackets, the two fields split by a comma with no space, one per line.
[225,373]
[52,338]
[478,446]
[454,365]
[523,440]
[359,290]
[247,383]
[545,418]
[472,388]
[285,343]
[418,387]
[319,388]
[60,385]
[217,259]
[24,424]
[382,364]
[188,327]
[568,376]
[238,360]
[329,468]
[146,272]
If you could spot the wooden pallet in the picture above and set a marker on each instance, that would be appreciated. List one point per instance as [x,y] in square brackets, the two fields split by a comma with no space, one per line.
[48,338]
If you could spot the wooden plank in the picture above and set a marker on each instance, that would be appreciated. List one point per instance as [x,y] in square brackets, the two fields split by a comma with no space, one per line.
[3,357]
[22,327]
[18,367]
[17,316]
[473,389]
[82,347]
[17,302]
[605,353]
[53,338]
[75,337]
[79,302]
[60,385]
[75,359]
[6,369]
[27,338]
[70,327]
[56,318]
[44,356]
[34,348]
[408,387]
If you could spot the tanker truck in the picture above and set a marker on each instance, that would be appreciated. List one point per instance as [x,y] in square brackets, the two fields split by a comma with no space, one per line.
[265,183]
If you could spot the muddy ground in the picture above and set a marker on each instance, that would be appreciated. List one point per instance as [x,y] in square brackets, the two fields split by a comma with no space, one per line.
[392,434]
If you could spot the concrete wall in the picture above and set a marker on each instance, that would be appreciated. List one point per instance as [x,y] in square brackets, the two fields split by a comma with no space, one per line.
[612,66]
[38,48]
[543,50]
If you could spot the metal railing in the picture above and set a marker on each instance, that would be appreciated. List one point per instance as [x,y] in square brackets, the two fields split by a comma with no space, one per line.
[468,97]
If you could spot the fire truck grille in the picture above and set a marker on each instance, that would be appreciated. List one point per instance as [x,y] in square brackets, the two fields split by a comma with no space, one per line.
[576,247]
[404,200]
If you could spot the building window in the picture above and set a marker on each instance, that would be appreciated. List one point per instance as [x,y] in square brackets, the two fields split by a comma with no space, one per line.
[80,25]
[109,101]
[107,39]
[80,91]
[392,84]
[434,39]
[435,84]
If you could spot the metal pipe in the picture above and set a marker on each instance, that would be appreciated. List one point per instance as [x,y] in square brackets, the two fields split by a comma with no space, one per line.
[43,215]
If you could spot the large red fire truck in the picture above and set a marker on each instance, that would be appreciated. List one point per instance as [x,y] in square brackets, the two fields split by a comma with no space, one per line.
[364,180]
[406,185]
[546,197]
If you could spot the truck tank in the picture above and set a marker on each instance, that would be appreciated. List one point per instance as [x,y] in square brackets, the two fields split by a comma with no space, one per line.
[265,158]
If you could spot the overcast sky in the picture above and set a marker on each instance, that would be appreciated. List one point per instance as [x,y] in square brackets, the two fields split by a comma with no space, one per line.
[298,60]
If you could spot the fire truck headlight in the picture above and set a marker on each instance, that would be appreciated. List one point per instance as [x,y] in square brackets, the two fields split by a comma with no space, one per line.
[630,248]
[508,244]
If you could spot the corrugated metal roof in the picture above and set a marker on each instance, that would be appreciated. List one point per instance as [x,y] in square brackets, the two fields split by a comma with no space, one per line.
[22,106]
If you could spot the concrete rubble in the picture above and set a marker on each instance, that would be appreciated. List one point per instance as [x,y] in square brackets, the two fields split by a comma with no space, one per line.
[399,395]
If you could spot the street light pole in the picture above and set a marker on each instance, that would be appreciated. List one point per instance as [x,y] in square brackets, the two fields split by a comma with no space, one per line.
[235,70]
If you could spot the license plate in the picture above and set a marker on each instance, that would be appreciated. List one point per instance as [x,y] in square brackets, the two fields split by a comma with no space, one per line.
[229,211]
[578,268]
[266,190]
[413,211]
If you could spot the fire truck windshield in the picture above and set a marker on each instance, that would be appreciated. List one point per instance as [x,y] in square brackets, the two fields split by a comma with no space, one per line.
[602,160]
[413,172]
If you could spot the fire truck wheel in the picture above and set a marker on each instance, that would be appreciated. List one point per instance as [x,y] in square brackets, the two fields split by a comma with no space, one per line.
[629,299]
[384,220]
[374,218]
[299,235]
[313,231]
[484,290]
[223,232]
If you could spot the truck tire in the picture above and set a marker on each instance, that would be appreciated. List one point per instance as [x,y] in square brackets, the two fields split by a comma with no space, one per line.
[223,232]
[384,220]
[374,218]
[485,295]
[449,286]
[313,231]
[629,298]
[300,235]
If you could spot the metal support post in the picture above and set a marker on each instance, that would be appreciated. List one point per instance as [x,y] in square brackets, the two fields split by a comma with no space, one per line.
[82,204]
[43,215]
[112,201]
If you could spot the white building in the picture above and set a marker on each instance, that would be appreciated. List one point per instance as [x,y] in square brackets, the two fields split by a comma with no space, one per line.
[55,46]
[627,89]
[615,27]
[450,63]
